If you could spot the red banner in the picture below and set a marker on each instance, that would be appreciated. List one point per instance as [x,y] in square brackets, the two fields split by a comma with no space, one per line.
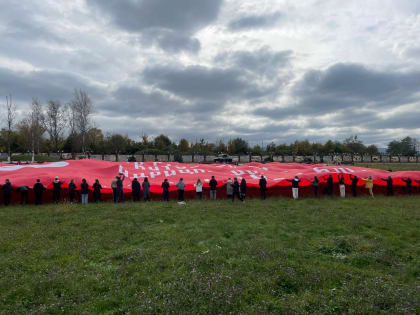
[275,173]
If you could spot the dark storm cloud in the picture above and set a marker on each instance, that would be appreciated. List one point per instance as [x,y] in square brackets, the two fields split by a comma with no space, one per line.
[254,21]
[173,22]
[45,85]
[404,120]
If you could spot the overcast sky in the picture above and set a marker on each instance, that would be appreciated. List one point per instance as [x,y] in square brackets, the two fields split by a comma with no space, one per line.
[263,70]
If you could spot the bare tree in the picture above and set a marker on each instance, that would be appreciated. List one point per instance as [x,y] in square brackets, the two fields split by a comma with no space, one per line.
[10,119]
[55,122]
[37,120]
[81,109]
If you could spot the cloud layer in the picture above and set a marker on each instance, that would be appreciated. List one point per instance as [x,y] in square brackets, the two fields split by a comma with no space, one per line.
[261,70]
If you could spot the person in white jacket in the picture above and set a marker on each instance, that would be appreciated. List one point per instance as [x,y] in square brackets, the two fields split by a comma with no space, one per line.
[199,189]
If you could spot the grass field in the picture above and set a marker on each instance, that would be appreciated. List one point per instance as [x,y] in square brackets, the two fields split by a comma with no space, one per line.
[277,256]
[392,166]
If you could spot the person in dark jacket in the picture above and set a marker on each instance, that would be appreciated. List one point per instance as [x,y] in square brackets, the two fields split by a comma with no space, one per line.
[24,194]
[354,181]
[7,192]
[84,191]
[389,186]
[72,191]
[135,189]
[330,185]
[213,187]
[243,189]
[56,190]
[295,186]
[408,183]
[146,189]
[120,188]
[181,189]
[97,195]
[315,185]
[236,189]
[38,191]
[165,187]
[263,187]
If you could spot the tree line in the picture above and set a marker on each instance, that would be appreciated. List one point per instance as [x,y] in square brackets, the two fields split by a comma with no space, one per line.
[57,127]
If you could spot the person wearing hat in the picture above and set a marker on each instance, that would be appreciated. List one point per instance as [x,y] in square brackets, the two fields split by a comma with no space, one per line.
[56,189]
[38,190]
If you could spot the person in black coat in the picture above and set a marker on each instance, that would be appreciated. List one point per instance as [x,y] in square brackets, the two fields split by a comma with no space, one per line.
[72,190]
[84,191]
[243,189]
[97,195]
[295,186]
[408,184]
[389,186]
[263,187]
[354,181]
[165,187]
[213,188]
[24,194]
[330,186]
[120,187]
[56,190]
[135,189]
[236,189]
[315,185]
[38,191]
[7,192]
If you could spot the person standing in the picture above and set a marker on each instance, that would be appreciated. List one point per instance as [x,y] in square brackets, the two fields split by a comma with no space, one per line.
[165,188]
[181,188]
[354,181]
[199,189]
[7,192]
[330,186]
[72,191]
[84,191]
[24,194]
[408,183]
[315,185]
[120,188]
[38,191]
[146,189]
[243,189]
[97,195]
[135,189]
[389,186]
[263,187]
[235,188]
[114,189]
[295,186]
[56,189]
[342,186]
[369,185]
[213,188]
[229,189]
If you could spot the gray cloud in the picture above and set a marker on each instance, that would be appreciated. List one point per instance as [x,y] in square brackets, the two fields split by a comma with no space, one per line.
[171,22]
[43,84]
[263,61]
[254,21]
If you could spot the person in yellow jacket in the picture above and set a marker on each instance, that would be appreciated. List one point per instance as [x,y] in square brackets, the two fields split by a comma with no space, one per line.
[369,185]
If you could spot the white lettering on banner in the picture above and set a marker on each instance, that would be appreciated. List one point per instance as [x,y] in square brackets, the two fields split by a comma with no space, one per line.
[153,174]
[137,166]
[238,172]
[337,170]
[252,174]
[154,168]
[187,171]
[167,174]
[199,171]
[18,167]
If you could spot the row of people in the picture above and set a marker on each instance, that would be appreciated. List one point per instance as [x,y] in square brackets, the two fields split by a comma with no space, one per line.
[233,188]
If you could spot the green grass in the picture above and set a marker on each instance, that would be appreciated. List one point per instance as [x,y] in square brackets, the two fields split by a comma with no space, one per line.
[277,256]
[393,166]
